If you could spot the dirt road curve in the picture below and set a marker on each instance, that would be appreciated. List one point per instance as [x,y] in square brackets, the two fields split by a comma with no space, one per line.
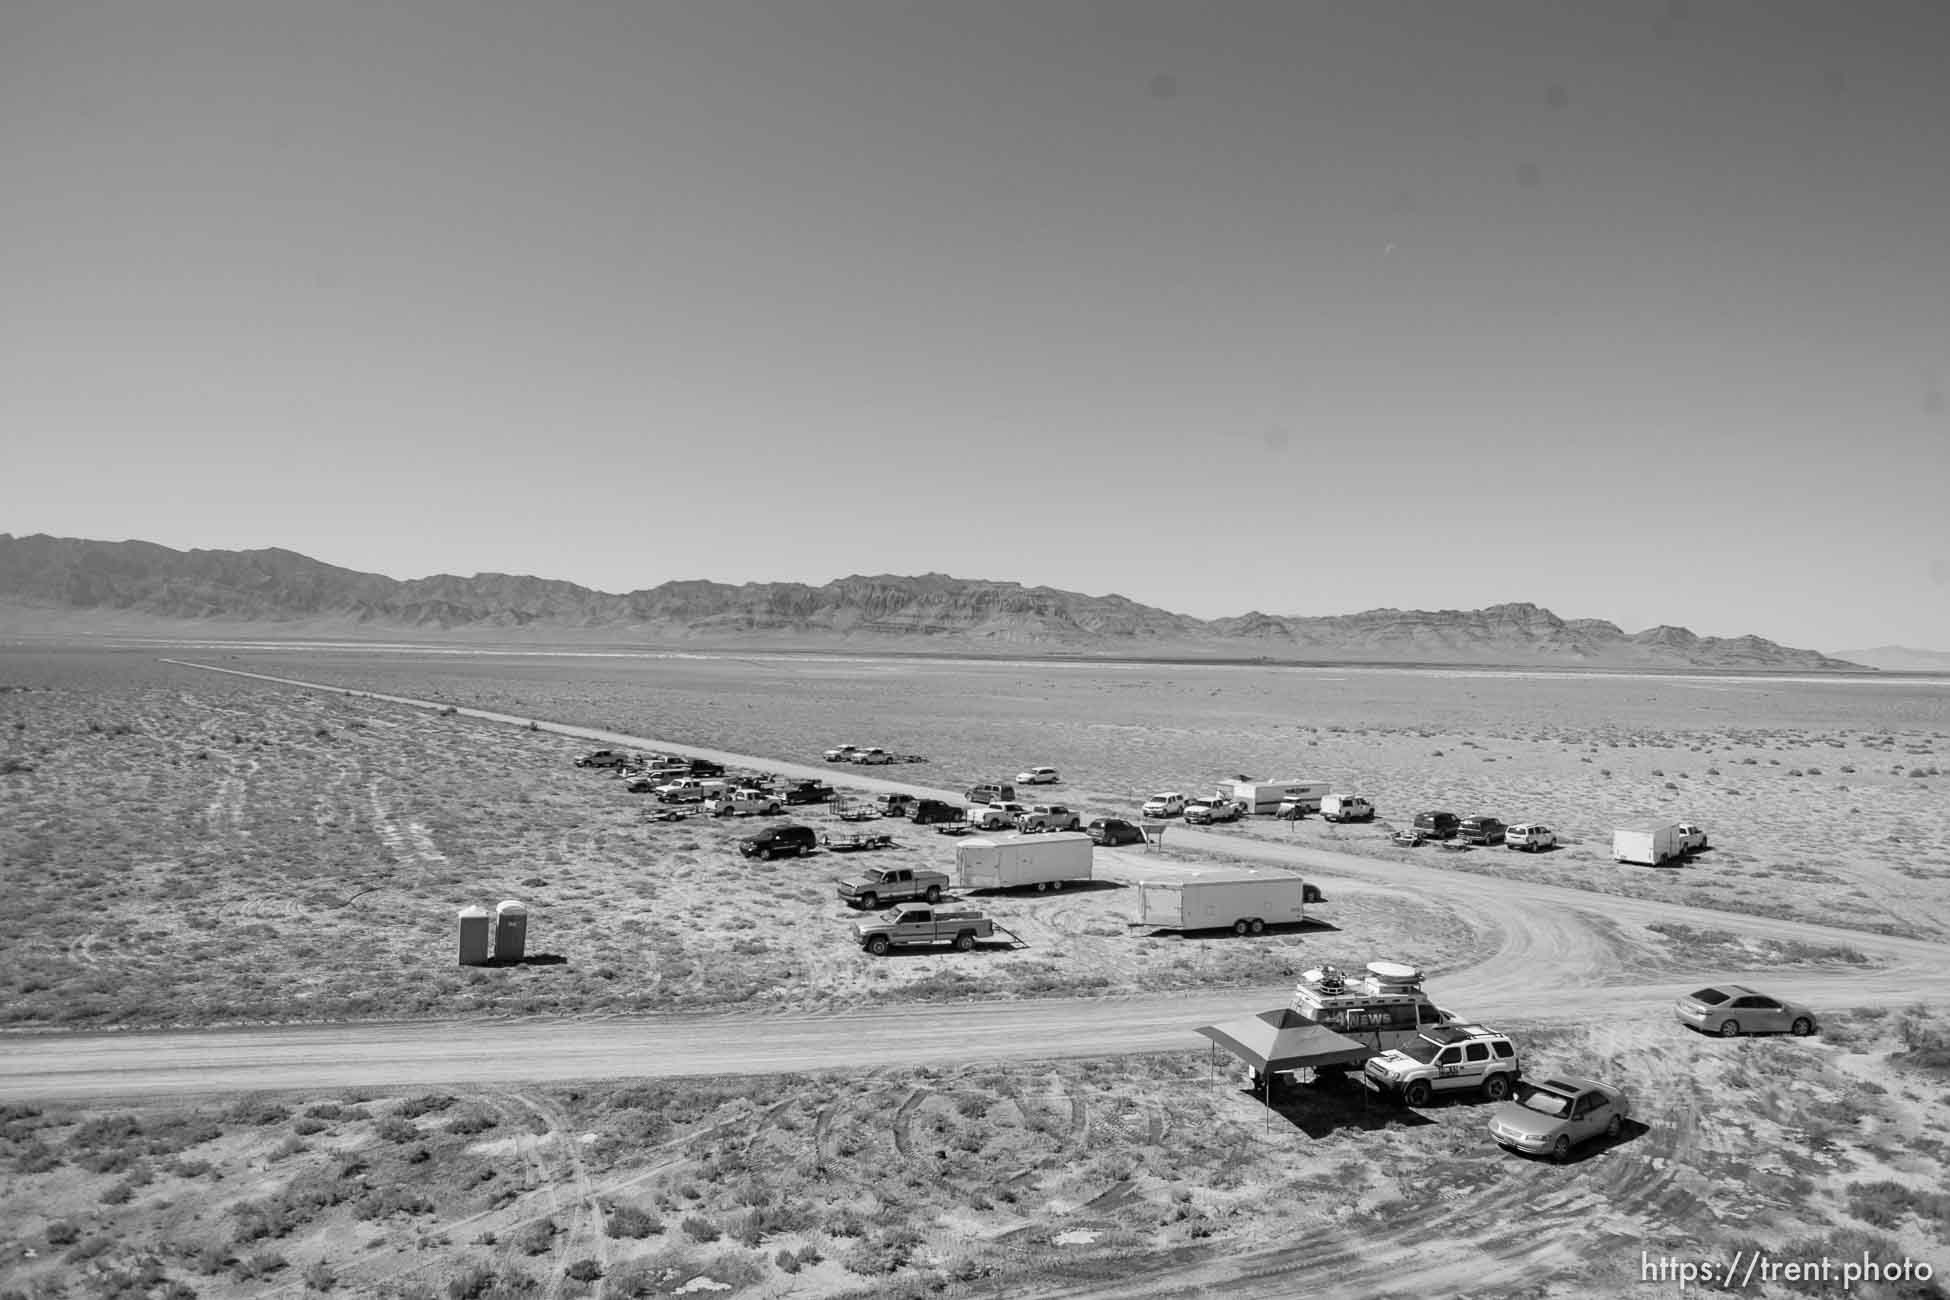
[1554,961]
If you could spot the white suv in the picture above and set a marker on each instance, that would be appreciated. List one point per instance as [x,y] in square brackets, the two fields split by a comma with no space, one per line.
[1530,837]
[1169,804]
[1037,776]
[1449,1059]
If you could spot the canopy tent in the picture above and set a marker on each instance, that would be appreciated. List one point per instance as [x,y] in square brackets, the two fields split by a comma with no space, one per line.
[1280,1040]
[1277,1041]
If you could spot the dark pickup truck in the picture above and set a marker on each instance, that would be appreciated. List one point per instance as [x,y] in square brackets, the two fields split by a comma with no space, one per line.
[809,792]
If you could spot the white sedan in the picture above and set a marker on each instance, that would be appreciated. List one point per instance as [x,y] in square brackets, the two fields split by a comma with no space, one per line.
[1038,776]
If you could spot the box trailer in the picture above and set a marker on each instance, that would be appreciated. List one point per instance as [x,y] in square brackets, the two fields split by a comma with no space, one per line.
[1263,798]
[1649,846]
[1244,900]
[1044,860]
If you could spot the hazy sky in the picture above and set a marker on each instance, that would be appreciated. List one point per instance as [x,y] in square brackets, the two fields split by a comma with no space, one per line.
[1637,310]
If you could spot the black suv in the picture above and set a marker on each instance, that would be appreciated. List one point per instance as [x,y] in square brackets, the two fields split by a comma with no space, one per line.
[991,793]
[780,841]
[705,767]
[1438,825]
[1113,831]
[926,811]
[809,792]
[1480,830]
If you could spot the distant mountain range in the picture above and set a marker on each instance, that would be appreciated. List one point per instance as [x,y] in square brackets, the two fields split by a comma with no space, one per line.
[1899,659]
[74,585]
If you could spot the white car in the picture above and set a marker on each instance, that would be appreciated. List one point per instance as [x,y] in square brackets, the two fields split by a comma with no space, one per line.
[841,753]
[872,757]
[1531,837]
[1038,776]
[747,800]
[1169,804]
[996,816]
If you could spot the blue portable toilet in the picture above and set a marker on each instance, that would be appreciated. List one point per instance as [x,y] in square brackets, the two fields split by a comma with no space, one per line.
[476,939]
[510,931]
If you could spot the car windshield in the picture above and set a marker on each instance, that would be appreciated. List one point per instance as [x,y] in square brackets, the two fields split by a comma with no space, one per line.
[1711,997]
[876,875]
[1421,1050]
[1545,1103]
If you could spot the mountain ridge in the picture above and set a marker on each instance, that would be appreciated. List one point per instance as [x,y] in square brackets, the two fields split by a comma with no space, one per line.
[76,583]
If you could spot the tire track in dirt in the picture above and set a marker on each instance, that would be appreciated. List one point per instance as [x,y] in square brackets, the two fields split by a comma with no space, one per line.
[583,1230]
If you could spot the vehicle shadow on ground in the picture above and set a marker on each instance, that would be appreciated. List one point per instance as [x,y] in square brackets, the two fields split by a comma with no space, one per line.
[532,959]
[1322,1107]
[1629,1131]
[1068,887]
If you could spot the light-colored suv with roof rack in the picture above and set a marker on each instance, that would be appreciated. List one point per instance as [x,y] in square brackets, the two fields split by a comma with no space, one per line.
[1446,1060]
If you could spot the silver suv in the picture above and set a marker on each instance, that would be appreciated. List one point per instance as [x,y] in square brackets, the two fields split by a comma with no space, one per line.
[1449,1059]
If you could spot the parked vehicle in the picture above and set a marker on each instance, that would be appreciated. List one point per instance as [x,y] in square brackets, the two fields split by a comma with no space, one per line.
[896,805]
[926,812]
[1346,808]
[705,767]
[991,792]
[872,889]
[1437,825]
[1243,899]
[691,789]
[1049,817]
[809,792]
[873,756]
[841,753]
[790,841]
[855,843]
[1656,845]
[1010,861]
[1409,837]
[1112,831]
[1531,837]
[645,785]
[1480,829]
[1037,776]
[1169,804]
[1001,816]
[1557,1114]
[1447,1059]
[603,758]
[1212,808]
[746,801]
[912,926]
[1265,797]
[1730,1010]
[1384,1009]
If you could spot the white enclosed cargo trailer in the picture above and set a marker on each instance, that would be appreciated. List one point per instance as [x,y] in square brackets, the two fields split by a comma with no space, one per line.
[1044,860]
[1263,798]
[1649,846]
[1244,900]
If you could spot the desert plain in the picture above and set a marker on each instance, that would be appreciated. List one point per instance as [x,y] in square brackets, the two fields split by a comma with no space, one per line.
[242,1059]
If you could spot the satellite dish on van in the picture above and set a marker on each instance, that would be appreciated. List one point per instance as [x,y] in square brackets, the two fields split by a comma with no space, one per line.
[1393,972]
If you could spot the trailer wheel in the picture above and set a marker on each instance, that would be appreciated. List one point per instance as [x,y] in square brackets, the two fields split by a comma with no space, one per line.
[1240,927]
[1056,884]
[1041,885]
[934,894]
[964,942]
[877,945]
[1257,926]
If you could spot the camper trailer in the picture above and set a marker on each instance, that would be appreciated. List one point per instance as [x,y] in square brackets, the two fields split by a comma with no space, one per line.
[1263,798]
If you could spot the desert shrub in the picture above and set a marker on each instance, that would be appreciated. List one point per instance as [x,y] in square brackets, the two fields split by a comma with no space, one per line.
[584,1270]
[1657,772]
[261,1265]
[1814,771]
[394,1129]
[319,1276]
[632,1222]
[700,1229]
[425,1104]
[35,1157]
[473,1121]
[62,1232]
[118,1193]
[384,1202]
[538,1238]
[89,1249]
[886,1252]
[307,1127]
[13,766]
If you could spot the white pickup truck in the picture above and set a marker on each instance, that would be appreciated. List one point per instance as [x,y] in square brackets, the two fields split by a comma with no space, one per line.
[746,801]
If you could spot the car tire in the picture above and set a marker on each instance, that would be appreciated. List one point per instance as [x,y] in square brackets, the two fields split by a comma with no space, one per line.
[1240,928]
[934,894]
[1496,1087]
[1613,1127]
[1561,1149]
[1257,926]
[1729,1029]
[868,901]
[1802,1027]
[877,945]
[964,943]
[1417,1093]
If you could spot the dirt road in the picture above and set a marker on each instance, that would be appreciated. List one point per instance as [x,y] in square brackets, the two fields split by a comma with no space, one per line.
[1556,960]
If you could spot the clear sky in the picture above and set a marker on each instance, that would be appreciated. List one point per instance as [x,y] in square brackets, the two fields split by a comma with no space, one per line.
[1640,311]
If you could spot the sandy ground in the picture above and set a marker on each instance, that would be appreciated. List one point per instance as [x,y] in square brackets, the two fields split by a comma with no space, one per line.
[192,849]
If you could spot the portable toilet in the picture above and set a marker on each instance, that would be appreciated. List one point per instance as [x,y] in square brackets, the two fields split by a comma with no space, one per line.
[475,936]
[510,931]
